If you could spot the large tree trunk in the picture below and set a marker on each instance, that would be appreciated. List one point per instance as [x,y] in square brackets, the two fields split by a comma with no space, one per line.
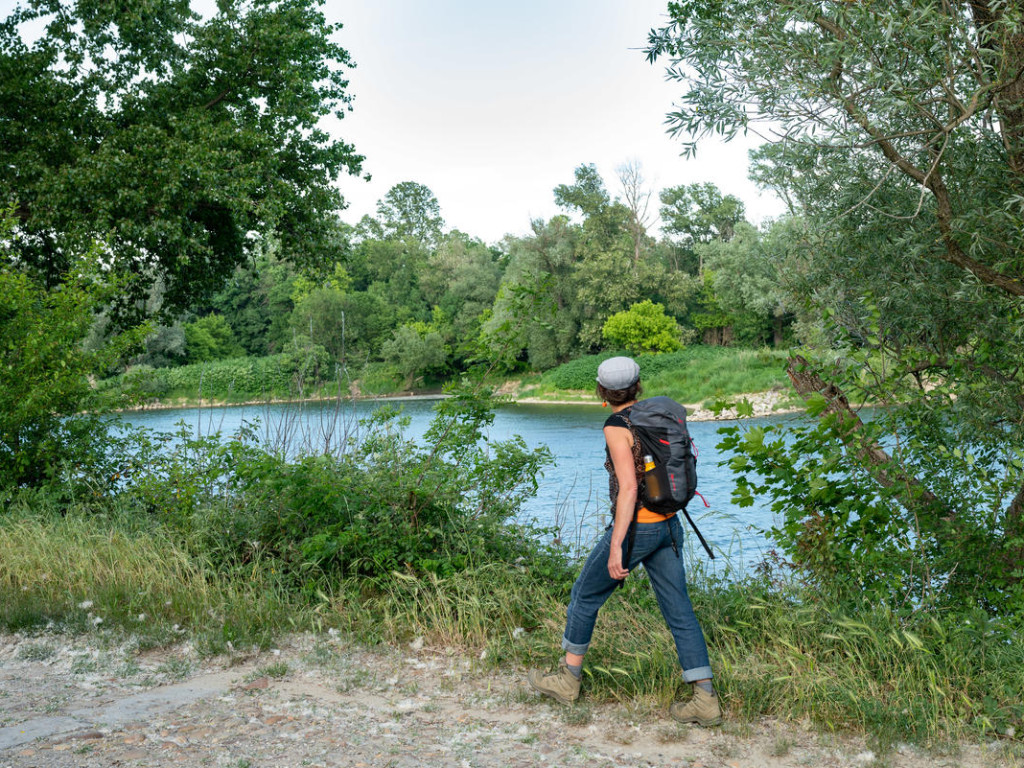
[911,492]
[1008,74]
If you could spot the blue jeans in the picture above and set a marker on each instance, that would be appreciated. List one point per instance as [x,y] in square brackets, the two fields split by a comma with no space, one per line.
[654,549]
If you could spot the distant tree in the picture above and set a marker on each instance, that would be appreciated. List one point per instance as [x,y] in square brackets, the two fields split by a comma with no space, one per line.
[343,323]
[171,138]
[587,194]
[460,282]
[747,285]
[210,338]
[637,196]
[410,210]
[699,213]
[165,347]
[536,316]
[414,350]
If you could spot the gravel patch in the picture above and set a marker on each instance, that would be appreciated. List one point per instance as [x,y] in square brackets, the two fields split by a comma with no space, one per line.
[324,701]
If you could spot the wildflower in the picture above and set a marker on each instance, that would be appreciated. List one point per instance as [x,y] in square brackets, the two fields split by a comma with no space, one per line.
[518,632]
[97,620]
[141,617]
[85,605]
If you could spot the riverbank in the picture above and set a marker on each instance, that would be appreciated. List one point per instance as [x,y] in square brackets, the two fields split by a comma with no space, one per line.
[761,404]
[697,377]
[92,701]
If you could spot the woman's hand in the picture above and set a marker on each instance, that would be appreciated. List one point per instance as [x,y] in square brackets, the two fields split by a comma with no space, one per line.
[615,569]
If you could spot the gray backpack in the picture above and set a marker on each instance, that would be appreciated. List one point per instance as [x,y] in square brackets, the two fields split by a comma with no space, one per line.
[670,481]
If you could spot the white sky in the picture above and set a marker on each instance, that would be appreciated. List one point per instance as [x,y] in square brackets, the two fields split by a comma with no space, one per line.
[493,104]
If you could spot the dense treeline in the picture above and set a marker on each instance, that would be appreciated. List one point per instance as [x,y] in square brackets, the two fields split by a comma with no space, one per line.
[408,301]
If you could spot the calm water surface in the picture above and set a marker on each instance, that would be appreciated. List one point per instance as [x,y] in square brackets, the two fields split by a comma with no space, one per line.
[574,488]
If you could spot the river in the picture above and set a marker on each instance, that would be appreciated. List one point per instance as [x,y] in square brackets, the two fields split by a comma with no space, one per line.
[574,487]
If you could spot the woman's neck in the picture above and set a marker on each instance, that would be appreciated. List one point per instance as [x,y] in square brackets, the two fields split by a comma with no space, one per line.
[617,408]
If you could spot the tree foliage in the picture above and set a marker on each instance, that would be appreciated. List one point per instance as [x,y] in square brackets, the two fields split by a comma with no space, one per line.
[45,372]
[210,338]
[410,210]
[644,327]
[901,150]
[171,137]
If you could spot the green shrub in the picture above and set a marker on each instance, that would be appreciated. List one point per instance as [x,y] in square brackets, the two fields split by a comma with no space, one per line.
[577,374]
[694,374]
[45,370]
[210,338]
[380,505]
[644,327]
[299,368]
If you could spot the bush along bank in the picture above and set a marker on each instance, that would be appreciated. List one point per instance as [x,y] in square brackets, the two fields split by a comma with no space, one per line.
[291,374]
[227,541]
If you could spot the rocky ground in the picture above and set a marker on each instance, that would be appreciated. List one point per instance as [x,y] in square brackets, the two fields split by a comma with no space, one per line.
[323,701]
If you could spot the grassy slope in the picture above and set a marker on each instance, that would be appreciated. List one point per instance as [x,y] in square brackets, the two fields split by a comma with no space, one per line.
[694,375]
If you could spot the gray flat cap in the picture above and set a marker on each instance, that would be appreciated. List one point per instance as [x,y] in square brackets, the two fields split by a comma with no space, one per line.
[618,373]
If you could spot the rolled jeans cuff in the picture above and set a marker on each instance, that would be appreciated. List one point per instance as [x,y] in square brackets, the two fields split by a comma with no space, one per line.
[577,648]
[695,674]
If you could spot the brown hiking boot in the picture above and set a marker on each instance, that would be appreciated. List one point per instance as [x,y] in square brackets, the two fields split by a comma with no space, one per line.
[702,709]
[562,685]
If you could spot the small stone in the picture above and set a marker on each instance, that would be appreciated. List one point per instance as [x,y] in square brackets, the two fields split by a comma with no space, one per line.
[135,738]
[263,682]
[26,753]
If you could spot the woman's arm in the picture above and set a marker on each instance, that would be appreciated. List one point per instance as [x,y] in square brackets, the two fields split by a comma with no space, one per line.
[620,448]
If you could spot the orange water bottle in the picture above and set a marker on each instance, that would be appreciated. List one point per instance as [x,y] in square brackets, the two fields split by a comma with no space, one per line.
[651,479]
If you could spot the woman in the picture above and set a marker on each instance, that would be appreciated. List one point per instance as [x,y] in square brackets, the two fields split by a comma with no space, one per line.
[655,546]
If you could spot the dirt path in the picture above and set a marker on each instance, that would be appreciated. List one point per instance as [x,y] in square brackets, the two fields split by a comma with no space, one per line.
[321,701]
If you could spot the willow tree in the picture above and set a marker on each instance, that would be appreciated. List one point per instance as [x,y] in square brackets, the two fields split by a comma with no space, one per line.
[896,131]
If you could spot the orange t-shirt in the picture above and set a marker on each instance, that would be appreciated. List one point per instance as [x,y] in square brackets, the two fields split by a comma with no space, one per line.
[644,515]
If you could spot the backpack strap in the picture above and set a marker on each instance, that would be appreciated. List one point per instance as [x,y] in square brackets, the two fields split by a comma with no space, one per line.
[697,531]
[631,536]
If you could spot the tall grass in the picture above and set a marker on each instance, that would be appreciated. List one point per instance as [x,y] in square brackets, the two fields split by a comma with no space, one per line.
[77,572]
[924,678]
